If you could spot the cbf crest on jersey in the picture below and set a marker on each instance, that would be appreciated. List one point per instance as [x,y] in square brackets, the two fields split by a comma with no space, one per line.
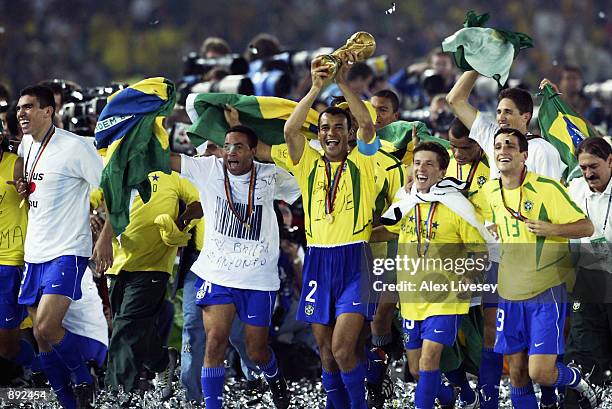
[309,309]
[481,180]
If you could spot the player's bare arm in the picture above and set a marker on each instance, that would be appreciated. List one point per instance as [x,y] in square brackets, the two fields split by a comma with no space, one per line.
[294,138]
[575,230]
[457,98]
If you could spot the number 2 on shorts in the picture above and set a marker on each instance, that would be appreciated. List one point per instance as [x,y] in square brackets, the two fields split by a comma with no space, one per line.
[312,284]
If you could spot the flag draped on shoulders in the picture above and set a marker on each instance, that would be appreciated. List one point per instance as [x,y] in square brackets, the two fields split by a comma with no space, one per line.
[563,128]
[131,138]
[265,115]
[486,50]
[398,135]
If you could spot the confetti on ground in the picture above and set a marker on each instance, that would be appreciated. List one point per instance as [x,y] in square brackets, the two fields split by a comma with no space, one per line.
[305,394]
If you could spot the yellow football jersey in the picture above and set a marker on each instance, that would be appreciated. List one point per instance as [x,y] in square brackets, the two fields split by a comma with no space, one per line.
[142,248]
[462,172]
[529,264]
[394,179]
[280,155]
[443,262]
[351,218]
[13,219]
[198,232]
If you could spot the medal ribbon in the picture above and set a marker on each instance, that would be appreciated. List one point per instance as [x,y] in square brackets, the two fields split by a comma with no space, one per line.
[332,184]
[516,214]
[472,172]
[41,149]
[428,227]
[251,196]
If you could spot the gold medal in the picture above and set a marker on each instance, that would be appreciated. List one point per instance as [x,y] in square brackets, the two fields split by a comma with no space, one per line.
[329,218]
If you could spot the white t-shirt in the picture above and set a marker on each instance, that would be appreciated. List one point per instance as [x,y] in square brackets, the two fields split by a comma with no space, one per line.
[85,317]
[598,207]
[234,256]
[542,157]
[58,219]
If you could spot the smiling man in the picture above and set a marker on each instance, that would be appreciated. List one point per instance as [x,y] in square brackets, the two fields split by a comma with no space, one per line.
[338,190]
[59,168]
[535,218]
[514,110]
[237,268]
[432,229]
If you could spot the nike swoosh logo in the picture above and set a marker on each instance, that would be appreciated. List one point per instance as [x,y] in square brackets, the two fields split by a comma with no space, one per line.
[155,281]
[9,319]
[55,285]
[538,345]
[356,303]
[436,331]
[251,316]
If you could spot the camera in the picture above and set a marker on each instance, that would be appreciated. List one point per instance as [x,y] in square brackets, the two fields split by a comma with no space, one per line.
[194,65]
[80,113]
[233,84]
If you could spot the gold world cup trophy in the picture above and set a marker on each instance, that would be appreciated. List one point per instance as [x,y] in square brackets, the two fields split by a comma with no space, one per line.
[361,43]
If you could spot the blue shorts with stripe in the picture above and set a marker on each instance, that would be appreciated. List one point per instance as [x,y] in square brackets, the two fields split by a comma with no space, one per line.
[337,280]
[11,313]
[535,325]
[60,276]
[437,328]
[254,307]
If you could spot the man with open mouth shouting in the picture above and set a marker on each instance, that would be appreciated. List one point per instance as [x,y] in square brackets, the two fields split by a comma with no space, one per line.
[338,190]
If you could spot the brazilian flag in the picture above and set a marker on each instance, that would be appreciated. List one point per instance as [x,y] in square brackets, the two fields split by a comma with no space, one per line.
[265,115]
[563,128]
[131,138]
[398,135]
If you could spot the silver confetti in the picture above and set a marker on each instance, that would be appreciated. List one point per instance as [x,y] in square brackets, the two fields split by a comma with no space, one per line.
[601,15]
[253,49]
[390,10]
[555,63]
[153,22]
[305,394]
[399,38]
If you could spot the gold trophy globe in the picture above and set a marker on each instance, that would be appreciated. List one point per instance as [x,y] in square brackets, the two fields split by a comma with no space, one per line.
[361,43]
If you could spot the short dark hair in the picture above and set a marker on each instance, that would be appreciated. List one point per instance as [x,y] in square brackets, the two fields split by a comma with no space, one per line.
[522,139]
[458,129]
[337,111]
[595,146]
[521,98]
[248,132]
[359,70]
[391,96]
[43,94]
[215,44]
[5,93]
[261,46]
[439,150]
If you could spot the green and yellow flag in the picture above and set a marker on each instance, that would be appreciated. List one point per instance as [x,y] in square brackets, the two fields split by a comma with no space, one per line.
[131,137]
[265,115]
[563,128]
[398,135]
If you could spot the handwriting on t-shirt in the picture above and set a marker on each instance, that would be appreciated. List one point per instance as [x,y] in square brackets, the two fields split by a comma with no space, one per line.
[11,237]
